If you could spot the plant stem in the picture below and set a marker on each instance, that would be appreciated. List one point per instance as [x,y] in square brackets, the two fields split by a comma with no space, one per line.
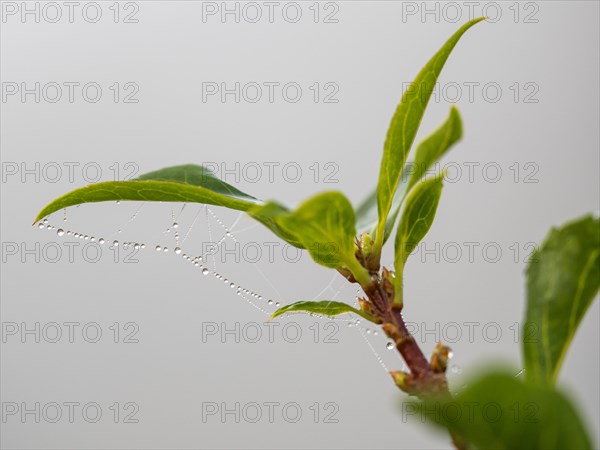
[425,382]
[408,347]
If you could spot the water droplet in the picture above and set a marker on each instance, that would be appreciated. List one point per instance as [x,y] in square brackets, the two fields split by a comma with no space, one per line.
[81,236]
[175,225]
[41,226]
[270,302]
[205,271]
[228,233]
[76,235]
[226,281]
[177,250]
[158,248]
[116,243]
[165,249]
[101,240]
[93,239]
[389,345]
[68,233]
[143,246]
[276,303]
[450,354]
[49,227]
[60,232]
[45,221]
[349,324]
[118,202]
[368,331]
[136,246]
[197,264]
[232,285]
[456,369]
[260,297]
[375,333]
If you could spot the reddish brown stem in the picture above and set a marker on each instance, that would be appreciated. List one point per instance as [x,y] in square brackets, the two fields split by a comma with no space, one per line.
[425,381]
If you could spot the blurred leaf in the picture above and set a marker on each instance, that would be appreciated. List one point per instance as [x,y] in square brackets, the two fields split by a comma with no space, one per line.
[324,307]
[500,412]
[562,281]
[417,217]
[404,126]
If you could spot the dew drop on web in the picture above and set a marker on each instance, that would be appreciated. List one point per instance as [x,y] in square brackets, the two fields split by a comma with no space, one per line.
[60,232]
[205,271]
[389,345]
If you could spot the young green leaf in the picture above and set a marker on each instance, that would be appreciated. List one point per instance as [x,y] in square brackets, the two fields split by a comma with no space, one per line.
[435,146]
[324,307]
[186,183]
[269,214]
[429,151]
[562,281]
[404,126]
[417,217]
[497,411]
[324,224]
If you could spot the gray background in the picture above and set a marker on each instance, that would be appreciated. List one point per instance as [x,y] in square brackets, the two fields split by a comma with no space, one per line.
[368,53]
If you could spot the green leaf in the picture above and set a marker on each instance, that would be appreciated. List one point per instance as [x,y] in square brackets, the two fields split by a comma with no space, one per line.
[500,412]
[269,214]
[186,183]
[324,224]
[429,151]
[404,126]
[417,217]
[324,307]
[562,281]
[435,146]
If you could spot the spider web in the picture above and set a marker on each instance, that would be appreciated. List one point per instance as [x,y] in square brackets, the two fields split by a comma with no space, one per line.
[189,221]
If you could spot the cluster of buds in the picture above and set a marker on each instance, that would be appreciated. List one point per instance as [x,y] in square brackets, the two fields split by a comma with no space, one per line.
[387,281]
[440,357]
[429,387]
[366,254]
